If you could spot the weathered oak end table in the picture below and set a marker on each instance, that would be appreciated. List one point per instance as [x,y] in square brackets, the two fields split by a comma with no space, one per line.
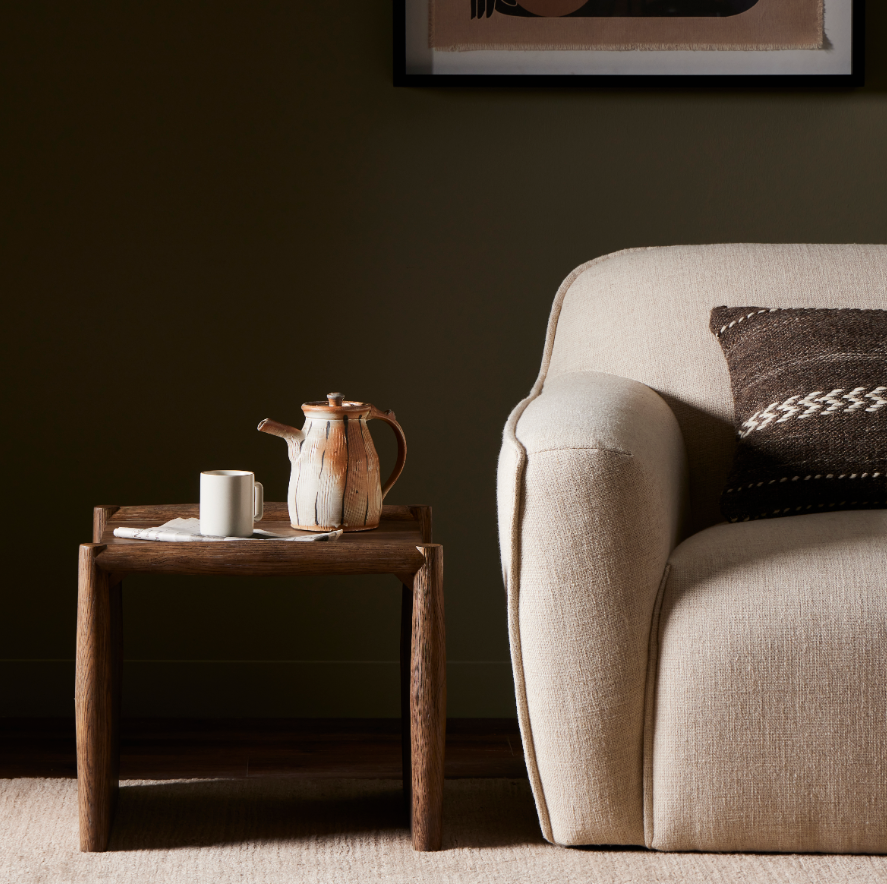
[401,546]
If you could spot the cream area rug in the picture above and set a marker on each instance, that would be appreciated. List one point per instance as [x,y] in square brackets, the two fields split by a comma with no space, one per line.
[316,831]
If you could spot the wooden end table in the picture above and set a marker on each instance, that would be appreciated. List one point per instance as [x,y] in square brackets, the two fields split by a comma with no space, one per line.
[401,546]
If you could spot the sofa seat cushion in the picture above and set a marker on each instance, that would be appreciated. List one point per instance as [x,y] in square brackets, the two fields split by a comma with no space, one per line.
[766,723]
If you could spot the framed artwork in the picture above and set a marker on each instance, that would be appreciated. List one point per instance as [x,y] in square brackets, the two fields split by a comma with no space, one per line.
[629,43]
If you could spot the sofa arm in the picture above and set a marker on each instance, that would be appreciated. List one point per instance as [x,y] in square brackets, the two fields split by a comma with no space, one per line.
[591,489]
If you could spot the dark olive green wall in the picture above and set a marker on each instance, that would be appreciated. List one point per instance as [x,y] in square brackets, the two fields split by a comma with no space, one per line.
[216,211]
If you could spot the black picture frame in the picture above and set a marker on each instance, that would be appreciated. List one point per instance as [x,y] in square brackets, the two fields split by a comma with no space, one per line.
[855,78]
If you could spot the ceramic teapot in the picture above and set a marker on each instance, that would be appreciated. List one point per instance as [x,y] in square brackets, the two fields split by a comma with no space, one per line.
[335,477]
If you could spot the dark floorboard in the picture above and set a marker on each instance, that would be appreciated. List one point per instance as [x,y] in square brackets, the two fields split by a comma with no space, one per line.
[184,748]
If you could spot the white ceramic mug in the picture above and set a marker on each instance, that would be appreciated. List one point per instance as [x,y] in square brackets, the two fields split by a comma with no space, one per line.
[230,501]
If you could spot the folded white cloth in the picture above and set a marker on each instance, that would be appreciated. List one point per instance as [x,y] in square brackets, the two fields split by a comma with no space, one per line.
[189,530]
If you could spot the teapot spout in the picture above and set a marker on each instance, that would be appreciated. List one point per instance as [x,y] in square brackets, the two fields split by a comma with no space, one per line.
[282,430]
[293,437]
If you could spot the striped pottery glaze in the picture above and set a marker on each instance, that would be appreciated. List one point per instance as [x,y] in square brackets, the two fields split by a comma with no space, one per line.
[335,480]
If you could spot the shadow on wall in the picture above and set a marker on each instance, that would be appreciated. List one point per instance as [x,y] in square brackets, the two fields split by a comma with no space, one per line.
[875,40]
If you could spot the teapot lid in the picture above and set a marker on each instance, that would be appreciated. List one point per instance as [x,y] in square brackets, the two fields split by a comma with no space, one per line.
[336,406]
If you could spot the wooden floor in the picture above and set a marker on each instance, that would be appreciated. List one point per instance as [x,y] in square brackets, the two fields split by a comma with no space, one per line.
[162,749]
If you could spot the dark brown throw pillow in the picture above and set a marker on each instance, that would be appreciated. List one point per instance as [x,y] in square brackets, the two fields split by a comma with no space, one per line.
[810,401]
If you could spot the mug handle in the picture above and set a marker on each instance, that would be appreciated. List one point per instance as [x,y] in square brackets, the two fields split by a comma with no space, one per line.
[389,418]
[258,501]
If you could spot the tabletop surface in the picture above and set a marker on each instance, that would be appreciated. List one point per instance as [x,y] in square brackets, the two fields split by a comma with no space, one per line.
[398,524]
[390,548]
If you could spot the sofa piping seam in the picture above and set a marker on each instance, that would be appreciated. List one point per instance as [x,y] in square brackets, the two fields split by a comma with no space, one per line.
[514,570]
[650,706]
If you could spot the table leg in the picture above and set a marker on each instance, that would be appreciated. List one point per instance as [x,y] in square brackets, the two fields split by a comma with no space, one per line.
[428,701]
[406,638]
[97,697]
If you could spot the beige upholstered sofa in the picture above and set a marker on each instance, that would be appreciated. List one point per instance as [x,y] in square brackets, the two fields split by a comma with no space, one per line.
[682,682]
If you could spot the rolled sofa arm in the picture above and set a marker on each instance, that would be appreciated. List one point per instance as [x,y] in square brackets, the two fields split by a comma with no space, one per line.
[591,489]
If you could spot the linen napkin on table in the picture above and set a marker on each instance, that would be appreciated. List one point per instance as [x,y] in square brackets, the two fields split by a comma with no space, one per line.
[189,530]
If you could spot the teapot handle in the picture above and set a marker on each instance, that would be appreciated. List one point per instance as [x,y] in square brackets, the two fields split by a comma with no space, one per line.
[389,418]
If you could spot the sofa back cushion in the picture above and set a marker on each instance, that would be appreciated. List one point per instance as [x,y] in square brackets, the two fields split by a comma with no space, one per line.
[644,314]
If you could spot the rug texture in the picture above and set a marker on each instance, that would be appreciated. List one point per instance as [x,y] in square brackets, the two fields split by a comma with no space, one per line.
[312,831]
